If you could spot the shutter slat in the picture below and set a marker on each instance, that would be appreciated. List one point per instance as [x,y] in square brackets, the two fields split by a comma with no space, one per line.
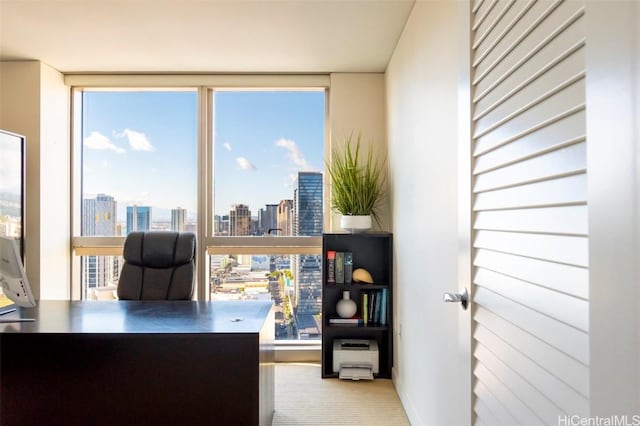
[559,306]
[508,22]
[565,161]
[554,248]
[493,19]
[564,191]
[490,386]
[548,80]
[476,5]
[484,414]
[502,140]
[483,12]
[496,403]
[567,339]
[544,22]
[559,277]
[557,135]
[496,90]
[568,220]
[540,49]
[541,114]
[575,375]
[535,400]
[547,384]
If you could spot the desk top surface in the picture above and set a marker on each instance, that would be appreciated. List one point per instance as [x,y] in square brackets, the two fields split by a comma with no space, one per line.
[141,317]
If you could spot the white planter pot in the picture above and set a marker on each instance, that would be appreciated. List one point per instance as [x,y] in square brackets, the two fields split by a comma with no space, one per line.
[355,224]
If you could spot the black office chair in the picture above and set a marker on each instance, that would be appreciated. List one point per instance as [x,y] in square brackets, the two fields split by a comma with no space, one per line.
[158,266]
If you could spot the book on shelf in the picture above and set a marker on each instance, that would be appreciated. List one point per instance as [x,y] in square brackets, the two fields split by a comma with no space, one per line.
[331,266]
[346,321]
[365,307]
[339,267]
[376,308]
[372,301]
[383,306]
[348,266]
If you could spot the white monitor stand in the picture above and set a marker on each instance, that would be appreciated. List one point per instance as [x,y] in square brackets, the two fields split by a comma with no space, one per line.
[16,290]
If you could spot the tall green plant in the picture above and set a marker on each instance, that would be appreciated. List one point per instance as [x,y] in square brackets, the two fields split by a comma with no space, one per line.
[356,185]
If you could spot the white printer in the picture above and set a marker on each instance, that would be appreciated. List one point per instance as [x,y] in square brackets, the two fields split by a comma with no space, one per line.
[355,359]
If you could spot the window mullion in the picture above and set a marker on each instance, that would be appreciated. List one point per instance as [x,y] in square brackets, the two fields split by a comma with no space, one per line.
[204,189]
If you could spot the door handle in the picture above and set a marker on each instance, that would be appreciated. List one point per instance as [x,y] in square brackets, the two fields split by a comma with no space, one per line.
[463,298]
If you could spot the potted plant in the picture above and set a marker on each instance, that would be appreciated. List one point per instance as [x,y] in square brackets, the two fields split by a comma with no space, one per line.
[357,185]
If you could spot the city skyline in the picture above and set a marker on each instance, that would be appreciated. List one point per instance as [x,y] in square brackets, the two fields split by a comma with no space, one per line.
[165,214]
[120,212]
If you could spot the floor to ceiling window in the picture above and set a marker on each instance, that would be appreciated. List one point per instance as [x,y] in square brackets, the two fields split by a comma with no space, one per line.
[227,164]
[138,171]
[268,182]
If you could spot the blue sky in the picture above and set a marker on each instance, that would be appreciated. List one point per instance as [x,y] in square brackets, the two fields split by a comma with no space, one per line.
[140,147]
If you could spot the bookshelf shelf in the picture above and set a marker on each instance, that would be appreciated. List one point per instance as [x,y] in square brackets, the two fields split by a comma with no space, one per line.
[373,252]
[359,286]
[367,327]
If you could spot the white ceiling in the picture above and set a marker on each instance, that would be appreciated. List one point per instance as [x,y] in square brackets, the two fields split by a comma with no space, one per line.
[290,36]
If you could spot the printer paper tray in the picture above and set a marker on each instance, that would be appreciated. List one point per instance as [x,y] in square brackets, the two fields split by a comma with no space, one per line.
[356,373]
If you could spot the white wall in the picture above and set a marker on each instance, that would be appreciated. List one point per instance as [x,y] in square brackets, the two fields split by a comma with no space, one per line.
[357,104]
[20,113]
[613,133]
[422,112]
[55,201]
[34,102]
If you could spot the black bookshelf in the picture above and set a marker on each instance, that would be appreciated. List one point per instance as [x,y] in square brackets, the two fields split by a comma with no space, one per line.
[373,252]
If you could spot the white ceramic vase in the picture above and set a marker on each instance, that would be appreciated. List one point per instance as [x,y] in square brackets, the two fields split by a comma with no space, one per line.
[346,308]
[355,224]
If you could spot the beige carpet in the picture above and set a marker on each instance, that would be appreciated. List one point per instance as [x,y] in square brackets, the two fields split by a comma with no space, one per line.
[303,398]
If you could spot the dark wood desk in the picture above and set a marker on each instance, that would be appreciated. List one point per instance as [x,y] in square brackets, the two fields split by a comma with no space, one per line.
[137,363]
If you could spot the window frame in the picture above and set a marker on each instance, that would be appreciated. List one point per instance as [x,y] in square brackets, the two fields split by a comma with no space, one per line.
[205,85]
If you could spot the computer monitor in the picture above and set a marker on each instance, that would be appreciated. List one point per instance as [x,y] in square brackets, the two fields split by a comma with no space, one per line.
[16,290]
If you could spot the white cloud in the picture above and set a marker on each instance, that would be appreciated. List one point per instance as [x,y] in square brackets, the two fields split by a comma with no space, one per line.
[244,164]
[294,154]
[227,146]
[98,141]
[137,141]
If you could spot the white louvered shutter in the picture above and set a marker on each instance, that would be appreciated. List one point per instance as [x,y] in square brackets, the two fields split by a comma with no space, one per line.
[531,301]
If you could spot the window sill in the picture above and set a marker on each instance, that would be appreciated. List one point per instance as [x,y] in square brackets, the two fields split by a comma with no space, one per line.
[293,351]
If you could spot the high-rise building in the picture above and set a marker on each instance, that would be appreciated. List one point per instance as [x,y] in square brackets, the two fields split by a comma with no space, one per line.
[283,217]
[239,220]
[221,225]
[138,218]
[254,229]
[259,228]
[178,219]
[268,219]
[308,220]
[99,218]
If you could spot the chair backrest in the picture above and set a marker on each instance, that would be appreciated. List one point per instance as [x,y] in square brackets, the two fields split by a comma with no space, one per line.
[158,265]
